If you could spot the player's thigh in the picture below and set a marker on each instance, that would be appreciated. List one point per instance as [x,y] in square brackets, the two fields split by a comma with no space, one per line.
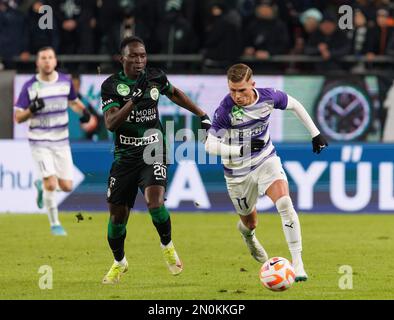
[44,162]
[153,183]
[122,185]
[243,194]
[64,164]
[272,179]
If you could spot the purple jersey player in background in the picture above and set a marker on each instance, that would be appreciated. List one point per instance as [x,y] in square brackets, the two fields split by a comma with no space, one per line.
[43,102]
[240,135]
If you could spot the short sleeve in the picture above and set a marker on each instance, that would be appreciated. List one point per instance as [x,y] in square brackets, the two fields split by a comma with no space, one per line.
[23,99]
[165,85]
[109,98]
[72,95]
[221,121]
[279,98]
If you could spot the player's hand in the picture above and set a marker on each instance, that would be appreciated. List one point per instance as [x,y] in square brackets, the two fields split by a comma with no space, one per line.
[319,143]
[85,116]
[139,88]
[36,104]
[205,125]
[254,146]
[205,122]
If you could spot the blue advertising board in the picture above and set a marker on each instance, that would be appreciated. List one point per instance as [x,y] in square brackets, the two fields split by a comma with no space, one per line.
[342,179]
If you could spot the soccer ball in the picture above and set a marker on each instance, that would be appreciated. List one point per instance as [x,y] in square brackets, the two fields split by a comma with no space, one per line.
[277,274]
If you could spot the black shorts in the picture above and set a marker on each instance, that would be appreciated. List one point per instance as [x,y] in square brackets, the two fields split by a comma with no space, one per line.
[125,180]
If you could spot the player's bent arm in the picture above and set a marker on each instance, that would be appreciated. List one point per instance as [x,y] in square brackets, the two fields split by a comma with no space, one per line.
[181,99]
[22,115]
[216,147]
[295,106]
[77,106]
[114,116]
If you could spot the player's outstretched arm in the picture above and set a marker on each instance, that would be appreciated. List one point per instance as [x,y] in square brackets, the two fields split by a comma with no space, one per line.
[181,99]
[215,146]
[319,142]
[78,107]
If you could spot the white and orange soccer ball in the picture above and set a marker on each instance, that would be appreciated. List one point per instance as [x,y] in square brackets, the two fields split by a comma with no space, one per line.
[277,274]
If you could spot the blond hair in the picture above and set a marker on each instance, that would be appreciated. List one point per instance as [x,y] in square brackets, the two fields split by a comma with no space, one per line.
[239,72]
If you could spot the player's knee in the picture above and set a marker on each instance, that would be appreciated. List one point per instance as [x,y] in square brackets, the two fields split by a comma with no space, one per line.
[285,207]
[50,187]
[155,203]
[66,186]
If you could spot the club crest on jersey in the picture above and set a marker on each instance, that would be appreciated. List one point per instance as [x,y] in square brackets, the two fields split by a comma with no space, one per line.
[237,113]
[123,89]
[154,93]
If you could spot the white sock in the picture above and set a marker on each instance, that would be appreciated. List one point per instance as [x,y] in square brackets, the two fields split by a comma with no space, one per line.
[122,262]
[245,231]
[49,198]
[291,227]
[169,245]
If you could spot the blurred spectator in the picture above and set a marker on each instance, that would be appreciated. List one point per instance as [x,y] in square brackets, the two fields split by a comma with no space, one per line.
[118,18]
[95,124]
[329,43]
[310,21]
[174,33]
[359,34]
[369,9]
[14,34]
[379,36]
[223,37]
[266,35]
[39,38]
[76,23]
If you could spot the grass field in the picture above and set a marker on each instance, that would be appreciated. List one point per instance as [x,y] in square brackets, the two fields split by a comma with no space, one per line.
[217,264]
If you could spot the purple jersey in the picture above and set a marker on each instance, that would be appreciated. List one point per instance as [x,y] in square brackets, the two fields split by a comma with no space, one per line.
[48,126]
[234,124]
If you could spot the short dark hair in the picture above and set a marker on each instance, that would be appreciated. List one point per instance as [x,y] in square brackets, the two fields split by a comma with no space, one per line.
[126,41]
[45,49]
[239,72]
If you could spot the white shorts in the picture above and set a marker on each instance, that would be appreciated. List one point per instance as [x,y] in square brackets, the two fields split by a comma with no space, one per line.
[244,191]
[53,161]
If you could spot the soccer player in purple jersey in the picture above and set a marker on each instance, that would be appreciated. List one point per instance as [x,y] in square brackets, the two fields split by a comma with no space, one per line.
[43,102]
[240,135]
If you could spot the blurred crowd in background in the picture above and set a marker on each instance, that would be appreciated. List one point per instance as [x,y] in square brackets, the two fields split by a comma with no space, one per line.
[220,30]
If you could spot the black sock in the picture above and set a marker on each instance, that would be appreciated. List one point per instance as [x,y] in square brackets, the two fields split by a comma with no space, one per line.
[164,231]
[117,247]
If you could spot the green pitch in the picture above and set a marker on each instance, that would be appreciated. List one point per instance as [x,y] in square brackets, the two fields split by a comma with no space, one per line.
[217,264]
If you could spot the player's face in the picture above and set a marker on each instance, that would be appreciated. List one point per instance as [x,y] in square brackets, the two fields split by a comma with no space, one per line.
[242,92]
[134,59]
[46,62]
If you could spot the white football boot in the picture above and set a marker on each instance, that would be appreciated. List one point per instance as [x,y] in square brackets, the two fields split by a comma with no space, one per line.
[256,249]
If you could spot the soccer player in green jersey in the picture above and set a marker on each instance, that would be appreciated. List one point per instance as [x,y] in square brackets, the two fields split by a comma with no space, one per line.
[130,106]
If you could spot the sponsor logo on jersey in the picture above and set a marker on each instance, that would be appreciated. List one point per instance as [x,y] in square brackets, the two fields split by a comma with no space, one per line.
[141,116]
[252,132]
[107,102]
[137,142]
[123,89]
[237,113]
[154,94]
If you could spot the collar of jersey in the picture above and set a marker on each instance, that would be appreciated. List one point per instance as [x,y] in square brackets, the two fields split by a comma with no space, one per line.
[255,102]
[123,77]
